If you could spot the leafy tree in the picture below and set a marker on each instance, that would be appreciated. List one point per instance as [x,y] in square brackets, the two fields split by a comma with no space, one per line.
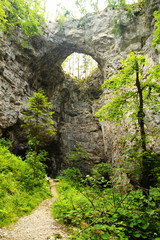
[156,39]
[94,4]
[26,14]
[38,120]
[134,91]
[81,8]
[40,129]
[116,3]
[81,4]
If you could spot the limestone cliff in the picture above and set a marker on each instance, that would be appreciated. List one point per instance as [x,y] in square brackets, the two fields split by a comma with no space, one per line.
[24,70]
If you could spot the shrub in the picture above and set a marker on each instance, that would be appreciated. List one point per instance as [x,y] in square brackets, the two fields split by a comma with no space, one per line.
[18,192]
[72,175]
[108,214]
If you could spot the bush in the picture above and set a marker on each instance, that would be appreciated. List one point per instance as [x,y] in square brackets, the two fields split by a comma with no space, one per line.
[78,158]
[18,192]
[72,175]
[108,214]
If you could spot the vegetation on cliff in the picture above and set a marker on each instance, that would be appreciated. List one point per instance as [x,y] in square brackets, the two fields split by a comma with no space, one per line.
[156,35]
[27,15]
[98,206]
[135,91]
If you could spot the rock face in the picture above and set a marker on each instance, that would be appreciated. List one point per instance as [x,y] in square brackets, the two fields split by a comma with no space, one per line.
[24,70]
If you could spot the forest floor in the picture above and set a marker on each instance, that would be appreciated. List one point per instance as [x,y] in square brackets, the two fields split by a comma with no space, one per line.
[39,225]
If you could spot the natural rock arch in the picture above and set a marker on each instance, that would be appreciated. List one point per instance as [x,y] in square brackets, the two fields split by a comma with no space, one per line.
[92,35]
[39,65]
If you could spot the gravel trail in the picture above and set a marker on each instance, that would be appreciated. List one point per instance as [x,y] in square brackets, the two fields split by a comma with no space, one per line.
[39,225]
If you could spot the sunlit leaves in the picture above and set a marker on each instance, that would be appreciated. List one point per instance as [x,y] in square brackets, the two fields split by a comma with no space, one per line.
[133,92]
[124,93]
[18,192]
[25,14]
[113,110]
[37,118]
[156,35]
[106,214]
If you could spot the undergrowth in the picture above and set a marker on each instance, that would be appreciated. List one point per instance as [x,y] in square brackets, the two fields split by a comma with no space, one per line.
[98,213]
[19,192]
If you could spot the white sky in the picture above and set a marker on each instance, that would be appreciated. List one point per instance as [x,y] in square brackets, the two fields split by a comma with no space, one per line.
[69,4]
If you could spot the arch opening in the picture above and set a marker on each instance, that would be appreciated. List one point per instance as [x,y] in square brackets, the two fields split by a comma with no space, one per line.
[79,65]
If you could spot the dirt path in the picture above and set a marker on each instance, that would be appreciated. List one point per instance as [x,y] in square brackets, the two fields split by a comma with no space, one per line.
[37,226]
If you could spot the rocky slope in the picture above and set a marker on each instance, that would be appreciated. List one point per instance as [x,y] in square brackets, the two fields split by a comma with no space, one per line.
[24,70]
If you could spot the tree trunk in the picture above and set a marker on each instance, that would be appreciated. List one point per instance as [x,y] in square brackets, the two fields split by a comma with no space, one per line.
[78,66]
[141,120]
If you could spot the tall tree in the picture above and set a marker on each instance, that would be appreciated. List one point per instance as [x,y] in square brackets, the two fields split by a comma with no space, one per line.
[38,120]
[134,91]
[40,129]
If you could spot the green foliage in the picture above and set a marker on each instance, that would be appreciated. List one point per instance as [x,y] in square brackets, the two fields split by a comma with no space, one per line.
[19,193]
[130,11]
[5,142]
[26,14]
[77,158]
[81,4]
[119,27]
[68,201]
[99,176]
[61,20]
[36,162]
[134,90]
[39,129]
[108,214]
[72,174]
[83,8]
[132,166]
[121,85]
[38,119]
[116,4]
[156,34]
[63,14]
[102,170]
[125,100]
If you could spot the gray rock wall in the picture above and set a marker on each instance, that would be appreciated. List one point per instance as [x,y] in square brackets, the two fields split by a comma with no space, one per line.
[24,70]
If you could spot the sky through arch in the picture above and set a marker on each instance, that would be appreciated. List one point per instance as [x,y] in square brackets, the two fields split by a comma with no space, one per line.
[52,5]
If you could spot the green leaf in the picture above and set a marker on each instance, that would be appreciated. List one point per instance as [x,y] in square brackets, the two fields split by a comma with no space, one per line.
[137,234]
[28,15]
[105,236]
